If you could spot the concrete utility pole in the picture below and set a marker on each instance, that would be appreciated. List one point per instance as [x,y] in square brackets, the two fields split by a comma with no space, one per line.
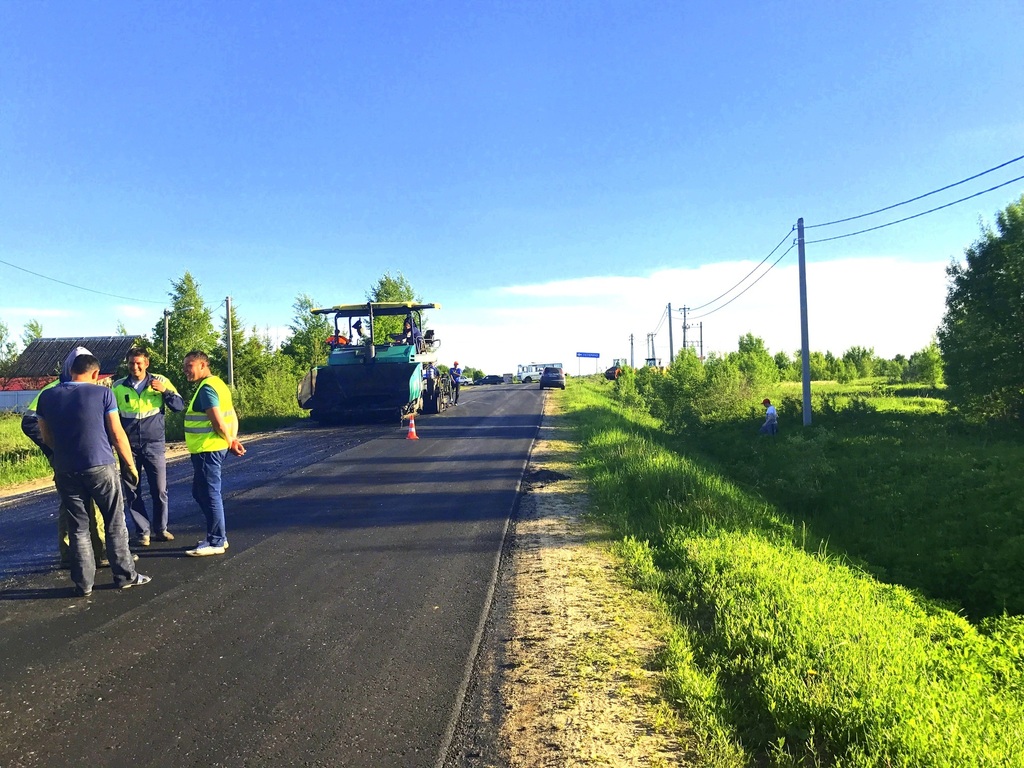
[231,352]
[685,326]
[631,351]
[805,347]
[701,325]
[671,353]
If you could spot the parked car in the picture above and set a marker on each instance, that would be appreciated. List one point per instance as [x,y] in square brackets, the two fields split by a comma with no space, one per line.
[464,380]
[491,379]
[552,377]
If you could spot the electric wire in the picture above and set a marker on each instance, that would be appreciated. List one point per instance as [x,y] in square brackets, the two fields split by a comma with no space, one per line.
[915,216]
[730,301]
[919,197]
[80,287]
[708,303]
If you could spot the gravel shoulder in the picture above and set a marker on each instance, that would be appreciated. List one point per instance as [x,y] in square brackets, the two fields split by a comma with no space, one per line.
[566,675]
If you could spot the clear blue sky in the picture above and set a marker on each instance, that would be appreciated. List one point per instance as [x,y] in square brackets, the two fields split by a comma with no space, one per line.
[497,154]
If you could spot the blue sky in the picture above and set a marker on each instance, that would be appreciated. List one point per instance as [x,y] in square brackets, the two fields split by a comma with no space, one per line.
[554,174]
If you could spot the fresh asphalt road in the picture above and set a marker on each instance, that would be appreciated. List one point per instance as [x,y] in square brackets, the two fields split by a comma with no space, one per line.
[338,630]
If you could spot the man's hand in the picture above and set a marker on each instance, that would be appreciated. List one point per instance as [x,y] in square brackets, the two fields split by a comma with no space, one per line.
[130,473]
[157,385]
[236,447]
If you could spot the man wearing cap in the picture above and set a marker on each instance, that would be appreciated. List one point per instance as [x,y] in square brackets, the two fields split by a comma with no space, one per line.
[79,423]
[456,374]
[142,398]
[771,419]
[30,426]
[211,431]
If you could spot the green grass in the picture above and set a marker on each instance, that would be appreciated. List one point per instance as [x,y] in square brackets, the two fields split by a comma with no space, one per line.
[20,459]
[787,651]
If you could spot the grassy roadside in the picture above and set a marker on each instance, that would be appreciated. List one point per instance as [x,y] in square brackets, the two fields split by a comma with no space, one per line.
[784,656]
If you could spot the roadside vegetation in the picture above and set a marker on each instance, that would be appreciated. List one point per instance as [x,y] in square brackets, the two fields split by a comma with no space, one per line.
[848,593]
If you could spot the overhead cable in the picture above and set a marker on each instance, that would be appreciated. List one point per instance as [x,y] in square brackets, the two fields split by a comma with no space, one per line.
[916,215]
[80,287]
[730,301]
[708,303]
[919,197]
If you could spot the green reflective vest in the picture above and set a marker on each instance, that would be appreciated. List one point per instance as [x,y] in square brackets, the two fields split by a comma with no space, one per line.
[200,437]
[134,405]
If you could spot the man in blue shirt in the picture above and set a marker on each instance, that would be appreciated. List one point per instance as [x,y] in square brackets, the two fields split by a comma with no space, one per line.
[30,426]
[80,423]
[456,374]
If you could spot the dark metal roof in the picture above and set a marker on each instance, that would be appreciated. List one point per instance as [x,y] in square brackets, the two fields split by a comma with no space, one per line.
[44,357]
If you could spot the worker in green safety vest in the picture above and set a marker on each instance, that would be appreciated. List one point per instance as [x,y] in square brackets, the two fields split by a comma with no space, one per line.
[211,432]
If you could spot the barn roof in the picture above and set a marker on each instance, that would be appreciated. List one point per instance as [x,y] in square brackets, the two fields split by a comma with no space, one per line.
[43,357]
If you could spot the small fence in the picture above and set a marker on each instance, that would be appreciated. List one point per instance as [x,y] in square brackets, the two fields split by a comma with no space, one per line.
[17,401]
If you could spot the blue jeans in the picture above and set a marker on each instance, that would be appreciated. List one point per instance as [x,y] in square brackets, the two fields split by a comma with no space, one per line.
[103,485]
[151,458]
[206,471]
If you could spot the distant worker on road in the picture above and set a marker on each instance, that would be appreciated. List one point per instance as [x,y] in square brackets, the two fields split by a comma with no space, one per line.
[771,419]
[142,398]
[30,426]
[211,431]
[456,374]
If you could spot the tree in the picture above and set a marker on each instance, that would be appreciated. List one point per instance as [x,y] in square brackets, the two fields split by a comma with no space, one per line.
[982,331]
[33,330]
[190,325]
[389,288]
[862,360]
[755,362]
[8,351]
[925,366]
[307,345]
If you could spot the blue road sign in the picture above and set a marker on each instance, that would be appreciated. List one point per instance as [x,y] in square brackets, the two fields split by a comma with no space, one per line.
[588,354]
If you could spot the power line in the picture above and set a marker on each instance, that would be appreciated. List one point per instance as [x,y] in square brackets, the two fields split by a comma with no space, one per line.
[730,301]
[694,309]
[919,197]
[80,287]
[915,216]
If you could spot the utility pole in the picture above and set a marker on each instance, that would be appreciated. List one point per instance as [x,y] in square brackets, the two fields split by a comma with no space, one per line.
[631,351]
[805,347]
[701,325]
[671,353]
[685,327]
[167,314]
[231,353]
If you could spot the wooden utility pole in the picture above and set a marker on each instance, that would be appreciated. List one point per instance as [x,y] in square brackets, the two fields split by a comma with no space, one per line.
[805,347]
[671,354]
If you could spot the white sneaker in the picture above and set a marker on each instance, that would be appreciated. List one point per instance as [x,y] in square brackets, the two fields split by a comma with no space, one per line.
[138,581]
[204,549]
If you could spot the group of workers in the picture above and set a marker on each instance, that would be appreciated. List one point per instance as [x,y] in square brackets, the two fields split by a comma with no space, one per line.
[431,374]
[79,424]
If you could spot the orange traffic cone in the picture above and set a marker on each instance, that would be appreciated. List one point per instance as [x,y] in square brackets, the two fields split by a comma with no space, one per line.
[411,435]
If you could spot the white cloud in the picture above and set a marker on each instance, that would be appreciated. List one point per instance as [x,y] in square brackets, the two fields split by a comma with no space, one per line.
[891,305]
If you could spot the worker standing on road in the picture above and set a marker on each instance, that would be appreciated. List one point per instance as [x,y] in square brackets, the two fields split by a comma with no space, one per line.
[456,373]
[211,431]
[79,424]
[30,426]
[142,398]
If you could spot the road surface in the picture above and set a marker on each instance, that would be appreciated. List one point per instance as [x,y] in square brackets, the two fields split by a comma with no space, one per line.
[338,630]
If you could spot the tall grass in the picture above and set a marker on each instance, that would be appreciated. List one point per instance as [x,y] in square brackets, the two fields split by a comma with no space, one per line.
[785,654]
[20,459]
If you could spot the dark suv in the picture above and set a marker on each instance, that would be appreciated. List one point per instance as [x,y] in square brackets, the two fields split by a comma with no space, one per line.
[552,377]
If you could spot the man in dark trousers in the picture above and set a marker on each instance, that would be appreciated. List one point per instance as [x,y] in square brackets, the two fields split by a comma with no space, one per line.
[142,397]
[30,426]
[456,374]
[79,423]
